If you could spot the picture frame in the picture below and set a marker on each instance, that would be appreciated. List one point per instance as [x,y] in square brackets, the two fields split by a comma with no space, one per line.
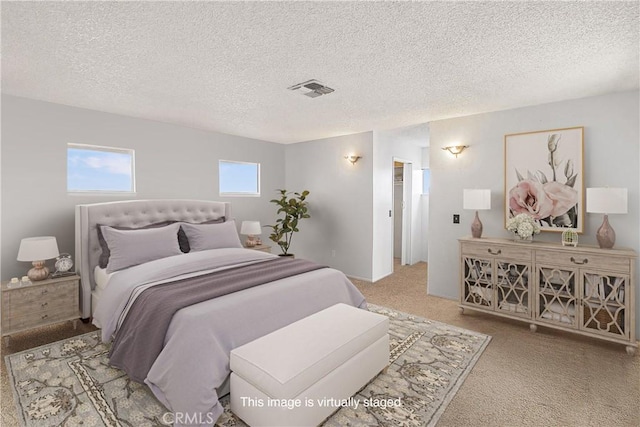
[544,177]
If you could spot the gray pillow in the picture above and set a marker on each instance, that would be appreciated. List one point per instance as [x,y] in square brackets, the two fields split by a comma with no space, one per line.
[104,255]
[212,236]
[182,237]
[133,247]
[103,260]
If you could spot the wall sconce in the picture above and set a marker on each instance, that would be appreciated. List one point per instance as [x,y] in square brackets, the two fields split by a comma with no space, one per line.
[353,158]
[455,149]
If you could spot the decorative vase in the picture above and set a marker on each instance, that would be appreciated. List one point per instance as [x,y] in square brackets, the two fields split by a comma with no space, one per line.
[519,238]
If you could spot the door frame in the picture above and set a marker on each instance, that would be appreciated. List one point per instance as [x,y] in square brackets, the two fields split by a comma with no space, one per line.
[407,177]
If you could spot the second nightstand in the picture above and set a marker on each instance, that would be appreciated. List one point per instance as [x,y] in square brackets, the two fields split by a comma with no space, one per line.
[262,248]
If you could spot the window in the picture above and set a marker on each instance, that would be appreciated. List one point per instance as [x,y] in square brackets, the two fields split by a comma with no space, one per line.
[239,178]
[426,180]
[100,169]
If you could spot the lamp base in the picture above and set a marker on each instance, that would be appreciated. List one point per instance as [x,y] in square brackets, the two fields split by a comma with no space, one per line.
[606,235]
[251,241]
[476,227]
[38,272]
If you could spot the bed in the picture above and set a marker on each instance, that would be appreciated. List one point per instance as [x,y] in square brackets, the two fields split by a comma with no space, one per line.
[190,370]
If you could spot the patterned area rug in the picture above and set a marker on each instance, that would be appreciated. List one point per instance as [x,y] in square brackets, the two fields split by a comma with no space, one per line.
[70,382]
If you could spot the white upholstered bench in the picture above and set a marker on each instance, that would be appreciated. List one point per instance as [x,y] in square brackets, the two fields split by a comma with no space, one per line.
[329,355]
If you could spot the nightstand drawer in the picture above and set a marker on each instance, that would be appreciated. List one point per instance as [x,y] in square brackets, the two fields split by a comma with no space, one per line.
[584,260]
[33,298]
[39,318]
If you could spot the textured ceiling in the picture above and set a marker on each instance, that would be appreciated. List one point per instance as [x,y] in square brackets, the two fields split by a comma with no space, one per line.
[225,66]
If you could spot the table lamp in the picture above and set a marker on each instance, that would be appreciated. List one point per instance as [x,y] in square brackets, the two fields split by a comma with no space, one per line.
[478,200]
[607,201]
[251,229]
[38,250]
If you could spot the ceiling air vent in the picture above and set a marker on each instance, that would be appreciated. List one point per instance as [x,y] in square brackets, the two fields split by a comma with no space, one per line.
[311,88]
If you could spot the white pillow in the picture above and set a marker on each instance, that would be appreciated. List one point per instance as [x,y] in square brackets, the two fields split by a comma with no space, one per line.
[101,277]
[212,236]
[133,247]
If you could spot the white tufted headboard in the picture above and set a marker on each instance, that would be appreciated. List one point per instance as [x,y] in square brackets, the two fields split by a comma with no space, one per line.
[133,213]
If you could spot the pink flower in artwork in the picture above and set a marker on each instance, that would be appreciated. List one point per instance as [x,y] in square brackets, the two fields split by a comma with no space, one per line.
[562,196]
[529,197]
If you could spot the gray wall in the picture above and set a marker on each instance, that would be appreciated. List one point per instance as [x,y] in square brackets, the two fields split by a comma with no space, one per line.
[339,232]
[612,152]
[171,162]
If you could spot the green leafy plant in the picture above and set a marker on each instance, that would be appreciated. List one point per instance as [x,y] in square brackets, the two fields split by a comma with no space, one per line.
[294,209]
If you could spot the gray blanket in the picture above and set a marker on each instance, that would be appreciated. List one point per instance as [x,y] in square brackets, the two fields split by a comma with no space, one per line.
[141,337]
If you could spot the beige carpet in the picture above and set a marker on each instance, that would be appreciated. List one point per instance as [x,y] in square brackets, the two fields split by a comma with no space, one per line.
[548,378]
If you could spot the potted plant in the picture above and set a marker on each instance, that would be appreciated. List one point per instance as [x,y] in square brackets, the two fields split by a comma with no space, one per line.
[294,209]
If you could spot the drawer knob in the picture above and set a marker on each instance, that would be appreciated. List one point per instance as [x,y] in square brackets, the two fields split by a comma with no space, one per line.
[583,262]
[44,304]
[45,291]
[498,252]
[44,316]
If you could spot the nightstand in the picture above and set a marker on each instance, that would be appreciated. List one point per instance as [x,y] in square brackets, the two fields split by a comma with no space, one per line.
[42,303]
[261,248]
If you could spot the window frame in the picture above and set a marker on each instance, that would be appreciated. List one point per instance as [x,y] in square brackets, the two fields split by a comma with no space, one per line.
[239,193]
[118,150]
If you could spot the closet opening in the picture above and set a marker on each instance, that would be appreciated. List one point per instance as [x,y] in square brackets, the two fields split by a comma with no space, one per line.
[401,212]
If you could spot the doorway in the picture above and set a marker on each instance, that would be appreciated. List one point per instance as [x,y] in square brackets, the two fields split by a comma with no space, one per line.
[402,172]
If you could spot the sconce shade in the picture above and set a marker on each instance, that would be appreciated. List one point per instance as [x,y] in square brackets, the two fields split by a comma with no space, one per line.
[607,200]
[251,228]
[455,149]
[353,158]
[38,248]
[476,199]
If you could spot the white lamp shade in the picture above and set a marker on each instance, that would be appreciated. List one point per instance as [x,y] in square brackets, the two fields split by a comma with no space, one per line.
[607,200]
[251,228]
[38,248]
[476,199]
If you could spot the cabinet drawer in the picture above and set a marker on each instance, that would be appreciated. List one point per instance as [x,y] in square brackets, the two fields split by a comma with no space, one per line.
[584,259]
[485,250]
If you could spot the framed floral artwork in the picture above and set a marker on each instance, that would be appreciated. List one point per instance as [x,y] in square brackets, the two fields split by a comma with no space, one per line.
[543,177]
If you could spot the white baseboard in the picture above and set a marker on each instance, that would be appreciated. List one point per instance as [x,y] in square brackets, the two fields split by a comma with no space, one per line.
[349,276]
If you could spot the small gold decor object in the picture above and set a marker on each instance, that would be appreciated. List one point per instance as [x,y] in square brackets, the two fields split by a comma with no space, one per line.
[570,237]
